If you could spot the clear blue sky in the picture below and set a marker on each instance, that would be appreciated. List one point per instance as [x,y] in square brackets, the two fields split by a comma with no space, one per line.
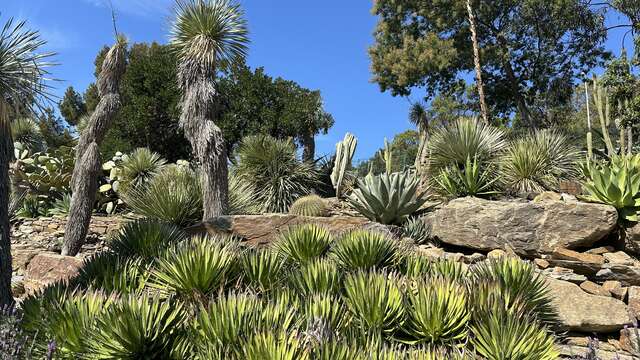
[319,44]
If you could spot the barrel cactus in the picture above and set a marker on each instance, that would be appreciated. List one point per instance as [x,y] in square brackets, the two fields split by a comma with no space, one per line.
[311,205]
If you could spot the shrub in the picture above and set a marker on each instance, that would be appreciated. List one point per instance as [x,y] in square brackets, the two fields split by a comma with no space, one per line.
[304,243]
[136,327]
[437,312]
[468,180]
[538,161]
[387,198]
[263,270]
[31,207]
[365,250]
[271,168]
[617,184]
[145,239]
[453,145]
[321,276]
[376,301]
[174,196]
[194,270]
[137,169]
[310,205]
[60,207]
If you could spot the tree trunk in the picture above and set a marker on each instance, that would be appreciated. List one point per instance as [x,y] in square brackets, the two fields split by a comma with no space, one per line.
[309,148]
[484,110]
[630,140]
[6,153]
[199,110]
[521,103]
[84,181]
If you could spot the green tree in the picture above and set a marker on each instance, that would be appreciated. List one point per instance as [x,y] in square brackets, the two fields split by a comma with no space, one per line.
[532,50]
[72,106]
[54,130]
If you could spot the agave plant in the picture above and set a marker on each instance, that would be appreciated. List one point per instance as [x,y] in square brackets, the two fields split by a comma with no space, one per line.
[271,168]
[470,180]
[416,266]
[145,239]
[304,243]
[387,198]
[136,327]
[365,250]
[310,205]
[417,230]
[196,269]
[60,207]
[437,312]
[452,145]
[326,317]
[616,184]
[538,161]
[174,195]
[262,270]
[321,276]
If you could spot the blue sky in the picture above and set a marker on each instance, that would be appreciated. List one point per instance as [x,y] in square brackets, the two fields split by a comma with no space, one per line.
[319,44]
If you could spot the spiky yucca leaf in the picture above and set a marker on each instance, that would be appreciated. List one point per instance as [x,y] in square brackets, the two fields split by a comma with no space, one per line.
[517,282]
[321,276]
[136,327]
[303,243]
[448,269]
[365,250]
[138,168]
[196,269]
[418,230]
[275,346]
[503,335]
[242,197]
[60,207]
[416,265]
[111,273]
[26,132]
[262,270]
[145,239]
[224,326]
[310,205]
[326,317]
[376,301]
[471,179]
[437,312]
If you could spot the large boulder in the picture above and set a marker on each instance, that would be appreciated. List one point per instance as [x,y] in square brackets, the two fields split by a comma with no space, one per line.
[528,228]
[262,229]
[48,268]
[582,312]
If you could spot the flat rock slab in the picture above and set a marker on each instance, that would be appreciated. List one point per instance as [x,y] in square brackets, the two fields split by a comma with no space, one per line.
[263,229]
[582,312]
[528,228]
[571,352]
[47,268]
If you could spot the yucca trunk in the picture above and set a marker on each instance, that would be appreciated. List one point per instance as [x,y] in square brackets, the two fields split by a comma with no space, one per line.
[199,111]
[630,140]
[84,181]
[308,147]
[6,153]
[484,110]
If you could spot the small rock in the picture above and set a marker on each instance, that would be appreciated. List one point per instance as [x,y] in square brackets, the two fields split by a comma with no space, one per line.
[601,250]
[634,301]
[547,196]
[455,257]
[497,253]
[627,275]
[560,273]
[630,340]
[594,289]
[619,257]
[541,263]
[431,252]
[616,289]
[474,258]
[566,254]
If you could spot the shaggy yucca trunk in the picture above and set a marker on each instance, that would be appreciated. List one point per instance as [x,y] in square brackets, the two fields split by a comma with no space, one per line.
[484,110]
[6,153]
[84,182]
[199,110]
[308,147]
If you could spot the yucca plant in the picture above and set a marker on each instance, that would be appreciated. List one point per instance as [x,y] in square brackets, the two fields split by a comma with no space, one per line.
[387,198]
[303,243]
[517,284]
[449,269]
[271,167]
[414,265]
[262,269]
[437,312]
[376,301]
[503,335]
[60,207]
[362,249]
[242,198]
[320,276]
[310,205]
[196,269]
[27,132]
[466,138]
[616,184]
[174,195]
[145,239]
[275,346]
[136,327]
[538,161]
[469,180]
[138,168]
[326,317]
[109,272]
[225,325]
[31,207]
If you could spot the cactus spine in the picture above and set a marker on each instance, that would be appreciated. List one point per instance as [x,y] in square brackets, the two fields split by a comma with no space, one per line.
[345,150]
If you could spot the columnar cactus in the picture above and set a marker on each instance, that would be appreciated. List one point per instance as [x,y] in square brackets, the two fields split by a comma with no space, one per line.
[345,150]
